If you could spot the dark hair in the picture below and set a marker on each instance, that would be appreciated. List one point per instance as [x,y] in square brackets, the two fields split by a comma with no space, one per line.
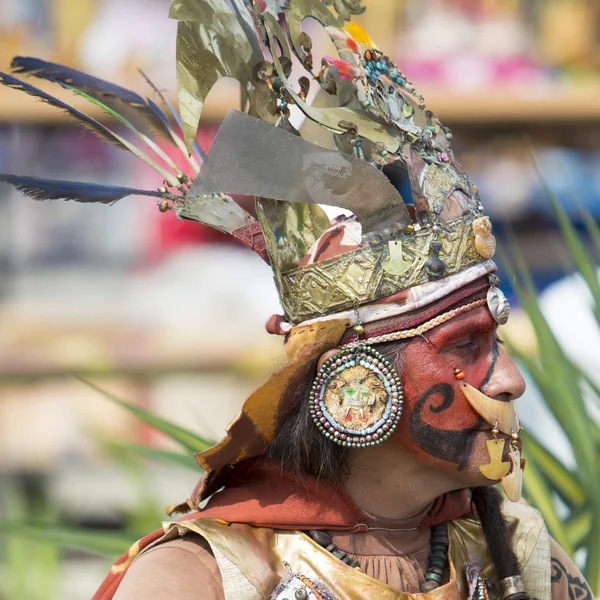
[487,502]
[299,446]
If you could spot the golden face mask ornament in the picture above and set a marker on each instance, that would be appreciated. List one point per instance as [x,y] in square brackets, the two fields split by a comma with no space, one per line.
[502,417]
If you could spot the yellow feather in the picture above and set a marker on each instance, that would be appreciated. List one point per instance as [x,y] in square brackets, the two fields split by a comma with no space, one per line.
[359,34]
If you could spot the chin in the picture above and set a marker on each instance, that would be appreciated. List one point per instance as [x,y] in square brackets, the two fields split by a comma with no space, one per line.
[471,474]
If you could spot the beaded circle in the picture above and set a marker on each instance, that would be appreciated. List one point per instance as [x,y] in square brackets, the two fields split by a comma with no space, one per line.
[356,398]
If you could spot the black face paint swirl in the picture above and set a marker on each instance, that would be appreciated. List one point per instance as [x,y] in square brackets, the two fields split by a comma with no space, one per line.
[578,588]
[490,371]
[445,444]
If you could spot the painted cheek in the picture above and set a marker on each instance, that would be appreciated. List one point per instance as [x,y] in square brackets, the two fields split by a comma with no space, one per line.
[425,368]
[437,422]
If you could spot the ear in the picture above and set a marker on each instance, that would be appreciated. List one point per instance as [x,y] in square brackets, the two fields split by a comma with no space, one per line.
[326,356]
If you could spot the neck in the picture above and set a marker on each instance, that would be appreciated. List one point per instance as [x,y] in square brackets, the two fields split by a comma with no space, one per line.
[388,481]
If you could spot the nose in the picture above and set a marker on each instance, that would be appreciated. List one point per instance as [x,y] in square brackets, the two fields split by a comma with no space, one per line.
[506,382]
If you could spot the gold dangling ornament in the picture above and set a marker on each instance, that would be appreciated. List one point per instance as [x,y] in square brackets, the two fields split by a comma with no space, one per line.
[495,469]
[356,398]
[503,417]
[512,484]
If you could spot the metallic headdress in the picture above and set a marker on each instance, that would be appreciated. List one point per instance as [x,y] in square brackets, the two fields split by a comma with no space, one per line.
[418,217]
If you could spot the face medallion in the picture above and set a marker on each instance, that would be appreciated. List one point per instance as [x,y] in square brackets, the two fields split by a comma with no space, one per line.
[356,398]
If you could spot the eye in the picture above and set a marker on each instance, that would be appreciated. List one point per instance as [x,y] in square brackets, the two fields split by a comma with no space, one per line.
[499,340]
[466,345]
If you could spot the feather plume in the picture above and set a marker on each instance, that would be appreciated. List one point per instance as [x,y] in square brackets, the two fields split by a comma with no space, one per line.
[98,128]
[345,69]
[342,40]
[141,116]
[50,189]
[359,34]
[178,140]
[149,141]
[144,115]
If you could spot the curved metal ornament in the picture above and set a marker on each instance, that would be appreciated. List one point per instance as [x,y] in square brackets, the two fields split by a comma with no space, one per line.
[498,305]
[356,399]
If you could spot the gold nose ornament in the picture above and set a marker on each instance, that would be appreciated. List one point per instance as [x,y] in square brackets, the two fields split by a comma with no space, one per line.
[502,416]
[499,414]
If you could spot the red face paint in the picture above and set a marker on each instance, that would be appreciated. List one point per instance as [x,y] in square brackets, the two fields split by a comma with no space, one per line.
[437,422]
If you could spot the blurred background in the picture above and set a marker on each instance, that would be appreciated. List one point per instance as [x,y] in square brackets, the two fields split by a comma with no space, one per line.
[170,316]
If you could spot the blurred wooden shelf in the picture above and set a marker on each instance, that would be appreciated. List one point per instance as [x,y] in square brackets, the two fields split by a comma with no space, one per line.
[559,104]
[18,107]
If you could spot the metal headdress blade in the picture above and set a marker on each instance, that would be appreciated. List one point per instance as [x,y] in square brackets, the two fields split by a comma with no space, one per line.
[255,158]
[211,44]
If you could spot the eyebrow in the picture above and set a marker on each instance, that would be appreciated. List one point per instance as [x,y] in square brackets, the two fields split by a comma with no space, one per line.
[454,332]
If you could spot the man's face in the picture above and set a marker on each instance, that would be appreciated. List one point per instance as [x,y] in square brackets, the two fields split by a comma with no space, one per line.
[437,423]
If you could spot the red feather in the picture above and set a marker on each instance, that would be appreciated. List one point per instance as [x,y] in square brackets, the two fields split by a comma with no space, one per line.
[345,69]
[352,45]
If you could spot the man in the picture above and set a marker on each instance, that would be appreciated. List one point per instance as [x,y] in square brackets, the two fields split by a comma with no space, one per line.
[364,467]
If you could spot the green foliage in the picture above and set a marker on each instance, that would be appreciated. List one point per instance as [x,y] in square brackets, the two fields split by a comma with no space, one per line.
[34,546]
[189,441]
[110,544]
[548,484]
[31,565]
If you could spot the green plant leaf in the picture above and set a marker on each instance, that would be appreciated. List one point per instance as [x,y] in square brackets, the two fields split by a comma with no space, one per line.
[106,544]
[153,454]
[561,480]
[558,380]
[592,566]
[188,440]
[591,227]
[540,495]
[578,527]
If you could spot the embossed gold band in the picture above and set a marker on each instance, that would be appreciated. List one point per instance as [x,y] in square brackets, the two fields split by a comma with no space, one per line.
[512,585]
[421,329]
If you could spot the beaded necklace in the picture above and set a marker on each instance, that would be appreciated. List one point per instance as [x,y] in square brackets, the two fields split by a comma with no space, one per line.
[438,558]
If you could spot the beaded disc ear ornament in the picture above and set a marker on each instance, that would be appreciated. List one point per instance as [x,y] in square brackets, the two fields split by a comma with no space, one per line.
[356,398]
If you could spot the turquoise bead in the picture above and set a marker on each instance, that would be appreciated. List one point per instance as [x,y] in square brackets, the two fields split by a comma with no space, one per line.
[437,562]
[433,577]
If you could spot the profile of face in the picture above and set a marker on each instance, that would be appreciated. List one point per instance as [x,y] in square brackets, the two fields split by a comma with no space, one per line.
[438,424]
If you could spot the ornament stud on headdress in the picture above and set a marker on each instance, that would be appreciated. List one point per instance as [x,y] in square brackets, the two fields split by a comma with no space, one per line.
[356,398]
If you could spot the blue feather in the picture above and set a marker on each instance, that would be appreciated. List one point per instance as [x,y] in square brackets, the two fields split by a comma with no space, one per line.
[50,189]
[144,114]
[91,123]
[200,155]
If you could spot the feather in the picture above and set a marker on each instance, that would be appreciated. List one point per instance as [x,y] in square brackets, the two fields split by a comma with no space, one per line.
[118,117]
[342,40]
[345,69]
[98,128]
[50,189]
[144,115]
[140,116]
[359,34]
[178,141]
